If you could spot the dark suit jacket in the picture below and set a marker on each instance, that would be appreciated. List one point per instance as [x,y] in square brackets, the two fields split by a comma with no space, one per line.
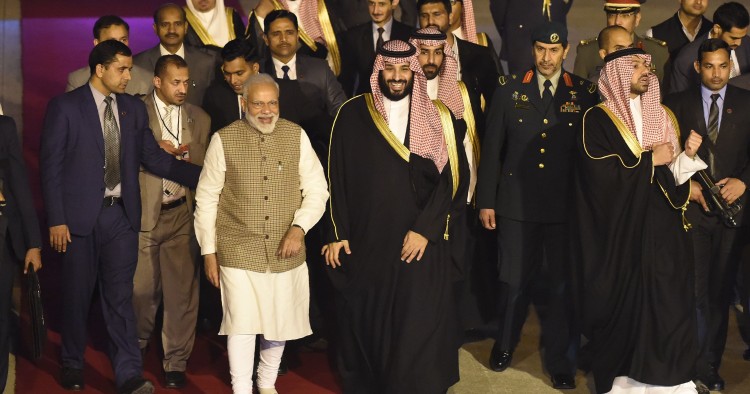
[220,102]
[72,160]
[21,219]
[358,55]
[478,70]
[683,72]
[515,20]
[671,32]
[527,153]
[733,143]
[316,81]
[201,67]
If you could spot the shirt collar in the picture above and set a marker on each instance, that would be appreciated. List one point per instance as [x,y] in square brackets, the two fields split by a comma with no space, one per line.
[555,78]
[99,97]
[386,27]
[180,52]
[292,63]
[161,105]
[706,93]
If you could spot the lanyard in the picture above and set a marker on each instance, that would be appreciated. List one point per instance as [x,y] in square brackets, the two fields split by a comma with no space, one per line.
[164,124]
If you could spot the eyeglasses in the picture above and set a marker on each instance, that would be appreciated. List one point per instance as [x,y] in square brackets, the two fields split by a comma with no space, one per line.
[260,104]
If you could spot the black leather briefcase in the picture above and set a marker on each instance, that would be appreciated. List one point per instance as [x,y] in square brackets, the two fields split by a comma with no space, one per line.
[38,326]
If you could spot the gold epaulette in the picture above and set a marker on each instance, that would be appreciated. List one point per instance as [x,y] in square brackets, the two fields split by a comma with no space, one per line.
[656,41]
[588,41]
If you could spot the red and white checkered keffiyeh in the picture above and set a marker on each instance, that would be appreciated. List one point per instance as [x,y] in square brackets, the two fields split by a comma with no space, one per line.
[448,91]
[425,130]
[468,23]
[308,16]
[614,86]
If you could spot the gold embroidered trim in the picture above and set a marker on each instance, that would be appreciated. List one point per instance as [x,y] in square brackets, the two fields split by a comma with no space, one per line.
[330,37]
[471,122]
[201,31]
[629,138]
[385,130]
[450,141]
[482,39]
[614,119]
[330,196]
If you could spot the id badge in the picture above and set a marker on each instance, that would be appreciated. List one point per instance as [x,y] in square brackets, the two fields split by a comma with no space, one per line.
[184,152]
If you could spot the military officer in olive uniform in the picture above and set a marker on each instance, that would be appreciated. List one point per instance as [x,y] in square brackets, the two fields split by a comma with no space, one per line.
[625,13]
[522,193]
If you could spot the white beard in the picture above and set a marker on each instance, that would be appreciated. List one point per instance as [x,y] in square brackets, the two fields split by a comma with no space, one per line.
[262,127]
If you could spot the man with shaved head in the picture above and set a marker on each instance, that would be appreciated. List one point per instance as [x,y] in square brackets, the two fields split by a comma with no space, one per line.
[613,38]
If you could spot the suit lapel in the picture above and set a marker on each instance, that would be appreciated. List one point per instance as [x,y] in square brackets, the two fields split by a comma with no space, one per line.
[90,115]
[186,125]
[726,128]
[367,43]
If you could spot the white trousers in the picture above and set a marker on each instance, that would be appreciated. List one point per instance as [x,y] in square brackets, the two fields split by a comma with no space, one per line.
[241,349]
[625,385]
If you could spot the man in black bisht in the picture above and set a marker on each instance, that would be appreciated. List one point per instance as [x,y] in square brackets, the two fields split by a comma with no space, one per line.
[635,273]
[393,175]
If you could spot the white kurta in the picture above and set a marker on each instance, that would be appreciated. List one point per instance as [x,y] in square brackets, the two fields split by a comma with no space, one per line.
[273,304]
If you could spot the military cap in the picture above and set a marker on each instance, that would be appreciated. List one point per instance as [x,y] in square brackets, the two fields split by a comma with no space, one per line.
[550,33]
[622,6]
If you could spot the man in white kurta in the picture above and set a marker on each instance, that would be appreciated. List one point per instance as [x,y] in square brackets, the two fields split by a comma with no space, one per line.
[261,189]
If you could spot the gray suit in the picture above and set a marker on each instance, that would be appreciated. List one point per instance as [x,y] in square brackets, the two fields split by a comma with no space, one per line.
[140,82]
[167,268]
[201,67]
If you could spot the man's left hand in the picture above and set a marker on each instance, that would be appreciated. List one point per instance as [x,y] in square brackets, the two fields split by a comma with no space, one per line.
[732,189]
[291,244]
[692,144]
[414,246]
[33,258]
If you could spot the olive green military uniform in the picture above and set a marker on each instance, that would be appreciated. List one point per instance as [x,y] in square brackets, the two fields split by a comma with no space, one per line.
[588,63]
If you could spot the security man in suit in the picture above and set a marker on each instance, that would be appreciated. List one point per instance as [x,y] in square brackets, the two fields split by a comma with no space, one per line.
[20,240]
[361,42]
[625,13]
[112,27]
[716,110]
[167,269]
[682,28]
[223,98]
[523,194]
[170,24]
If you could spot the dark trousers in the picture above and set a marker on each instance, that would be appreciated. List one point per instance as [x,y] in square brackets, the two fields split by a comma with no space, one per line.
[716,249]
[8,267]
[108,256]
[534,268]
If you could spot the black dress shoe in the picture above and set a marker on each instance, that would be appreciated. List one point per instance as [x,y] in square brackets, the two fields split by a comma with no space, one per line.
[136,385]
[563,381]
[713,381]
[175,380]
[500,359]
[71,379]
[746,354]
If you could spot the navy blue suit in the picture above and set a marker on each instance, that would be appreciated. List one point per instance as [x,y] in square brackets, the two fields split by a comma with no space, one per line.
[104,245]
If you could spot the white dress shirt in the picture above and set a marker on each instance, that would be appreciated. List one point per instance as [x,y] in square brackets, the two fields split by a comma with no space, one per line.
[313,186]
[171,135]
[555,78]
[180,52]
[277,64]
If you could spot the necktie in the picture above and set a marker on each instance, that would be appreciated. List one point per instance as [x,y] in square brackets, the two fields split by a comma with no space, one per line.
[285,69]
[111,147]
[380,37]
[170,188]
[547,94]
[713,130]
